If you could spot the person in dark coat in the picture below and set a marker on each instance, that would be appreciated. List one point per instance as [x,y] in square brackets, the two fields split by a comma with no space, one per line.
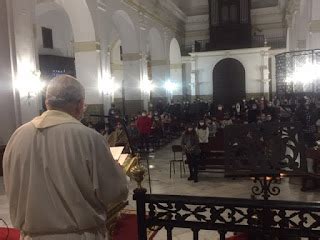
[253,114]
[190,145]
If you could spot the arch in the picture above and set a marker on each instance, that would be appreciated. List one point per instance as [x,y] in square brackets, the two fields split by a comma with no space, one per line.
[175,52]
[81,19]
[126,31]
[116,52]
[176,66]
[229,84]
[53,16]
[156,45]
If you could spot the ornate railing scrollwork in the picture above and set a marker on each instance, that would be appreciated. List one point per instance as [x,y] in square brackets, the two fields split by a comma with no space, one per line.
[265,187]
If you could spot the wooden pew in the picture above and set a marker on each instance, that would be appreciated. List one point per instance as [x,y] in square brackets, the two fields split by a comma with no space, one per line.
[312,177]
[213,154]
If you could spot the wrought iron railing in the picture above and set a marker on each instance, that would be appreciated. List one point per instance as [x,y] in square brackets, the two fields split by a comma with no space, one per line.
[257,41]
[259,218]
[265,153]
[273,42]
[198,46]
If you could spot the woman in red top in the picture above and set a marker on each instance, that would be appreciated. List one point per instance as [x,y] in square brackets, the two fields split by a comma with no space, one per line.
[144,124]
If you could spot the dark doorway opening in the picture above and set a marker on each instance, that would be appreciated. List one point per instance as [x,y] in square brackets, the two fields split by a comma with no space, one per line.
[229,82]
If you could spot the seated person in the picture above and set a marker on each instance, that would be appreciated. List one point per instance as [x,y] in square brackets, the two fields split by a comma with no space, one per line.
[119,138]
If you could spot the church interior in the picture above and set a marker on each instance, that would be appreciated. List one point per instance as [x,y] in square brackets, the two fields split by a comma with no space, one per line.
[243,75]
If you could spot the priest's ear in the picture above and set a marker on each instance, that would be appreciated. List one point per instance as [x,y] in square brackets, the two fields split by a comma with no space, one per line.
[80,109]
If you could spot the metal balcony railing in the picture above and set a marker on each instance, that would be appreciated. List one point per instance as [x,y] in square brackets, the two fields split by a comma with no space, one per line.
[257,41]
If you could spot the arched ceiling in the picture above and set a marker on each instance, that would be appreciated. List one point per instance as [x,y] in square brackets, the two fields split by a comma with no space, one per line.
[198,7]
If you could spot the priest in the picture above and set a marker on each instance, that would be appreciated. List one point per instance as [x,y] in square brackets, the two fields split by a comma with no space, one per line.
[59,175]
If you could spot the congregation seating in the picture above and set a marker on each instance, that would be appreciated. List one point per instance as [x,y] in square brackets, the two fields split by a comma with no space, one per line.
[313,176]
[177,150]
[213,154]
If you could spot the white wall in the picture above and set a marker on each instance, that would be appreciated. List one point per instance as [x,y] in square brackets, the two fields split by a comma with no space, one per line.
[197,28]
[62,33]
[117,68]
[303,20]
[252,60]
[7,105]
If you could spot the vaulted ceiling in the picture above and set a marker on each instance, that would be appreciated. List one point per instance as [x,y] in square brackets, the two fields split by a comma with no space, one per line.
[198,7]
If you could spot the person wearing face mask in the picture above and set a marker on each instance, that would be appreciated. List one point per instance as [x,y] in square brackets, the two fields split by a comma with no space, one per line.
[133,133]
[253,114]
[270,110]
[144,124]
[202,131]
[268,118]
[262,104]
[157,128]
[212,127]
[219,115]
[244,105]
[238,112]
[191,147]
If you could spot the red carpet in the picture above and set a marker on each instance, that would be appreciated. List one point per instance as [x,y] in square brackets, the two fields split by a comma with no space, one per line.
[9,234]
[126,229]
[238,237]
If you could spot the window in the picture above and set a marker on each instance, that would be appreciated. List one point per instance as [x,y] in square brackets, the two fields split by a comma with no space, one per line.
[47,40]
[225,14]
[121,53]
[230,12]
[234,18]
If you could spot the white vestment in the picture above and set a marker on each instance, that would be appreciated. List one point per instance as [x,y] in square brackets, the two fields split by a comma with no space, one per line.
[60,177]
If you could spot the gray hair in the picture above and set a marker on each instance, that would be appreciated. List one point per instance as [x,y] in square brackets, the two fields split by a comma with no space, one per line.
[63,90]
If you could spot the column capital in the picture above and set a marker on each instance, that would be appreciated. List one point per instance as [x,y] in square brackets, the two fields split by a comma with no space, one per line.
[176,66]
[131,56]
[86,46]
[314,26]
[159,62]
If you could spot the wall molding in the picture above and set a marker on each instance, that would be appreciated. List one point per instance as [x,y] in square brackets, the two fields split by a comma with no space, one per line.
[176,66]
[314,26]
[159,63]
[86,46]
[131,57]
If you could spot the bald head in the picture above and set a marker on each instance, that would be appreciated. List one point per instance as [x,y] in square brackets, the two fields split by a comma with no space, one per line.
[65,93]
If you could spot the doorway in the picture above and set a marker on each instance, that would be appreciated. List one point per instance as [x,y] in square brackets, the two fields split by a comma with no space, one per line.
[229,82]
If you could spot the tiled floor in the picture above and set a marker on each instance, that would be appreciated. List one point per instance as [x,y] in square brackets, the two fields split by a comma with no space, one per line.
[209,185]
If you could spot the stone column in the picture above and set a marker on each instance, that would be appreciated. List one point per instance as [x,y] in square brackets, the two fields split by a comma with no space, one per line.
[176,77]
[7,104]
[88,71]
[265,81]
[195,88]
[159,77]
[26,78]
[146,95]
[131,84]
[315,25]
